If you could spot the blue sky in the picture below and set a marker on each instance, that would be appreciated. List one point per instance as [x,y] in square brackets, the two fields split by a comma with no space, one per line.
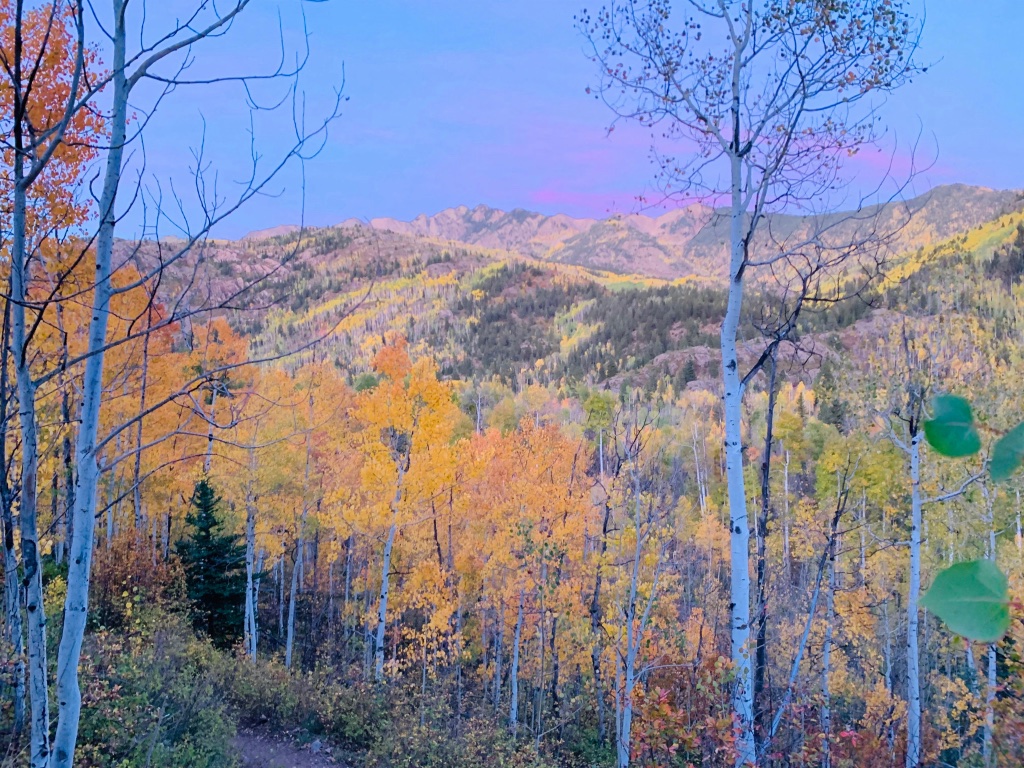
[456,102]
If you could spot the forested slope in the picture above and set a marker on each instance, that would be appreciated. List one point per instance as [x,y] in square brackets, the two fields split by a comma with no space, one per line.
[526,459]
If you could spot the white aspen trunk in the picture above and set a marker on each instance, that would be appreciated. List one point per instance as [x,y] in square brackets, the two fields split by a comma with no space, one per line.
[887,647]
[634,629]
[209,431]
[913,650]
[988,757]
[330,594]
[538,694]
[368,636]
[385,579]
[1020,532]
[499,653]
[137,469]
[280,598]
[13,630]
[289,643]
[513,680]
[972,668]
[785,511]
[59,518]
[348,584]
[618,701]
[739,531]
[826,666]
[110,498]
[702,492]
[165,536]
[863,539]
[69,697]
[260,558]
[32,575]
[58,542]
[250,561]
[625,697]
[382,606]
[423,685]
[68,459]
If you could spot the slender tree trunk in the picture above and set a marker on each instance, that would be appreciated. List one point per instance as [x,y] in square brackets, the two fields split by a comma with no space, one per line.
[294,594]
[499,652]
[69,697]
[538,688]
[785,515]
[349,543]
[143,385]
[826,663]
[385,578]
[208,460]
[595,623]
[280,599]
[988,756]
[913,650]
[972,668]
[761,536]
[382,606]
[862,575]
[32,575]
[513,683]
[634,626]
[1020,531]
[250,560]
[700,474]
[739,531]
[13,629]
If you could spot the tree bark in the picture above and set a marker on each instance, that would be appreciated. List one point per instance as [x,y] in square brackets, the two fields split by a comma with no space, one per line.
[761,614]
[32,575]
[913,650]
[826,662]
[513,707]
[13,628]
[739,531]
[294,594]
[382,605]
[76,604]
[250,574]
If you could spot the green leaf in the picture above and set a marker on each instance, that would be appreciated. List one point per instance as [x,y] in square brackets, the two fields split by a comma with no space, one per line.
[1008,453]
[951,429]
[973,599]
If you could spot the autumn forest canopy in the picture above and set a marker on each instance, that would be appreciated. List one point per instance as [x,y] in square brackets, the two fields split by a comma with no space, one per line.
[729,482]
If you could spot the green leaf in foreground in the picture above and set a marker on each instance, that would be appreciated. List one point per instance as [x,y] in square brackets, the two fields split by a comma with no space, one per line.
[951,429]
[1007,453]
[972,599]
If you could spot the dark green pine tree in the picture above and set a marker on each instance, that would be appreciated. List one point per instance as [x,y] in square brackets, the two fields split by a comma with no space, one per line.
[689,372]
[832,408]
[214,564]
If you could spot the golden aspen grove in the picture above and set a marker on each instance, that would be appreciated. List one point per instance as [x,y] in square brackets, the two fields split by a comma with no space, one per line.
[732,481]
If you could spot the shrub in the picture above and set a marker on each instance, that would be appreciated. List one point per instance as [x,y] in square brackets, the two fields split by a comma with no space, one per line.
[151,700]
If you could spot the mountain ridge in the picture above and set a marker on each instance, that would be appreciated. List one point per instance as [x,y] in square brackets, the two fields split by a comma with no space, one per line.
[688,241]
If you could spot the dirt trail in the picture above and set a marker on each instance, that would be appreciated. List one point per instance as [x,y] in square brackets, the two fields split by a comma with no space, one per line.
[259,749]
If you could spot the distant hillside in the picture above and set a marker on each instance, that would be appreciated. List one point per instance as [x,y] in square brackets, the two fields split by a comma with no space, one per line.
[456,287]
[693,240]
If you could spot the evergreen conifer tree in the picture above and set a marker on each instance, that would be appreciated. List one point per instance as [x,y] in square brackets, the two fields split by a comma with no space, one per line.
[689,372]
[214,564]
[832,408]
